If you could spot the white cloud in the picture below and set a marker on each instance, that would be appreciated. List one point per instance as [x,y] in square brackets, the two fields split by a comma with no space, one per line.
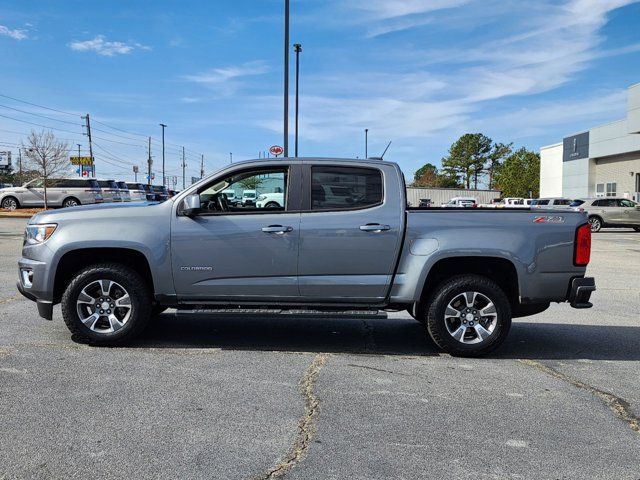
[224,74]
[385,9]
[15,33]
[103,47]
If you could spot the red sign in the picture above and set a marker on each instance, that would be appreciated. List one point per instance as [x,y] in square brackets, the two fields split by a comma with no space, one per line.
[85,173]
[276,150]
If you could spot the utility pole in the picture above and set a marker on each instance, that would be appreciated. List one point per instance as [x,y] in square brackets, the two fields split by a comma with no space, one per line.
[230,157]
[286,78]
[184,165]
[201,167]
[79,159]
[366,143]
[149,163]
[163,180]
[93,164]
[298,49]
[20,165]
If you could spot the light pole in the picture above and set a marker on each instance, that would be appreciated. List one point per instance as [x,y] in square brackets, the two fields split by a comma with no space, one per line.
[286,78]
[164,184]
[366,143]
[298,48]
[230,157]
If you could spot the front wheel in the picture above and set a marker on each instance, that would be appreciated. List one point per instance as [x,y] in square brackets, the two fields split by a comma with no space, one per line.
[637,229]
[106,304]
[468,315]
[595,223]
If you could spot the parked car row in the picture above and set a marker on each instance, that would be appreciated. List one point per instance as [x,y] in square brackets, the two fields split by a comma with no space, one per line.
[69,192]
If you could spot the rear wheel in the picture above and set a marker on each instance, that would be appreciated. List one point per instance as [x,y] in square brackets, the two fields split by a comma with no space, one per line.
[637,229]
[106,304]
[468,315]
[272,205]
[9,203]
[596,224]
[71,202]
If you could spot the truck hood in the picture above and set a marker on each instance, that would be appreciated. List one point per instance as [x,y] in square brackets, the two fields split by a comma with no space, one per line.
[99,210]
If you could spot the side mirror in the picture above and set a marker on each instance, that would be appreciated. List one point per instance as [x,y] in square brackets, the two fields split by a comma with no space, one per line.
[191,205]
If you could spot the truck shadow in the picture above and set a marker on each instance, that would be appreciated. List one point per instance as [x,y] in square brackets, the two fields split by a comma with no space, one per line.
[394,336]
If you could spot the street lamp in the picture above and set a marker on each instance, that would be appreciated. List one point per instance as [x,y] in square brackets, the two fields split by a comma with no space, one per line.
[298,48]
[163,180]
[286,78]
[79,159]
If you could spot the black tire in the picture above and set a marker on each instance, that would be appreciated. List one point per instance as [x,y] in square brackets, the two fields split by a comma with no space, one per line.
[453,288]
[596,223]
[71,202]
[272,205]
[134,285]
[10,203]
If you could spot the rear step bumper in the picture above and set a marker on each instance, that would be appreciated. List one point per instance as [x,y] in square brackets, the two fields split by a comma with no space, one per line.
[581,289]
[280,313]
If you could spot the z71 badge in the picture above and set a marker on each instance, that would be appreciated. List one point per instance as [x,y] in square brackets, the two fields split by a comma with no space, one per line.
[549,219]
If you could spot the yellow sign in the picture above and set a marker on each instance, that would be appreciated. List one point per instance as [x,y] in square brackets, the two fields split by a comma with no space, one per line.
[81,161]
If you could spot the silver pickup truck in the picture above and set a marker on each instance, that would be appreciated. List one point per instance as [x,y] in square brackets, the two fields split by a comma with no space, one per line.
[343,244]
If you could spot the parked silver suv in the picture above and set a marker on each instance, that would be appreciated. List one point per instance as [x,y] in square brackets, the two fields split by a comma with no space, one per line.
[610,212]
[110,190]
[61,192]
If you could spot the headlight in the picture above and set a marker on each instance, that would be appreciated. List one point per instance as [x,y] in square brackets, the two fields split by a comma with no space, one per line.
[262,197]
[35,234]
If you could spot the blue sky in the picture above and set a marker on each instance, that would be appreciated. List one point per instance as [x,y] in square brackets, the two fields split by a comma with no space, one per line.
[417,72]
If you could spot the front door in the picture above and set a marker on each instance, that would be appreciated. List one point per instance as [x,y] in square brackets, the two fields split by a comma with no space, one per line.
[630,212]
[232,252]
[32,194]
[349,233]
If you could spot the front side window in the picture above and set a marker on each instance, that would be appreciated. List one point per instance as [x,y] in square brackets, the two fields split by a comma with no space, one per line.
[627,203]
[255,191]
[576,203]
[336,188]
[562,202]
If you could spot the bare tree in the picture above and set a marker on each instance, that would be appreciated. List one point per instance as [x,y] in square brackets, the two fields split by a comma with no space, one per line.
[48,156]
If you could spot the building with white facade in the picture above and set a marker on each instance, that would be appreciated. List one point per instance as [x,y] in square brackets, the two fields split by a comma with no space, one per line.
[603,161]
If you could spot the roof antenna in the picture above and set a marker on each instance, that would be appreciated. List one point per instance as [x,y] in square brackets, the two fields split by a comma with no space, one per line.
[381,157]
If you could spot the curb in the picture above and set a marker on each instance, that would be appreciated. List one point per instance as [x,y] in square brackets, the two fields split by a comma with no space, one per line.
[20,215]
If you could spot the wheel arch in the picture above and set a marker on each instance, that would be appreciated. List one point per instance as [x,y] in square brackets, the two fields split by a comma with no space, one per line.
[75,260]
[501,270]
[11,196]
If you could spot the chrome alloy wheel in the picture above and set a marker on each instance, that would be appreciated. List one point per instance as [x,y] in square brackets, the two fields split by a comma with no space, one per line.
[104,306]
[9,204]
[471,317]
[595,223]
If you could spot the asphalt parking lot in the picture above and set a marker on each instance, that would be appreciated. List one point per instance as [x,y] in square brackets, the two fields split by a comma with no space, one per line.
[250,398]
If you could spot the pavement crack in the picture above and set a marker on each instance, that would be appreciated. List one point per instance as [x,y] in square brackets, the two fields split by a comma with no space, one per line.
[377,369]
[369,340]
[620,407]
[10,299]
[306,425]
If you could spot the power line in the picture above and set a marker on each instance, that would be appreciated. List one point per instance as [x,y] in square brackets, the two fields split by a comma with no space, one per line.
[40,115]
[39,106]
[39,124]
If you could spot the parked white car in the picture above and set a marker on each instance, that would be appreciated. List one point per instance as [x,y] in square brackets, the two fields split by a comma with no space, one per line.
[553,203]
[461,202]
[248,197]
[270,200]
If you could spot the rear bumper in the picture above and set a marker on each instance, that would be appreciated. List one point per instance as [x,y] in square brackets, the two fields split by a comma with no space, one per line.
[580,292]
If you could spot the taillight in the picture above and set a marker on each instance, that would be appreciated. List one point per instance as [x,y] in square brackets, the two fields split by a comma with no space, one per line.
[582,246]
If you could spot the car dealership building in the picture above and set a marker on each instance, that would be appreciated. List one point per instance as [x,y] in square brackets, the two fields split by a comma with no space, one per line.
[603,161]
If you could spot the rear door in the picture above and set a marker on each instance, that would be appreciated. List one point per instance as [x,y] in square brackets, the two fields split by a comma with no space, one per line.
[239,253]
[350,231]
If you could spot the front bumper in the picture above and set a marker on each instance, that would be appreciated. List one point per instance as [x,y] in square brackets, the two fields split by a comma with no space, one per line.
[580,292]
[45,308]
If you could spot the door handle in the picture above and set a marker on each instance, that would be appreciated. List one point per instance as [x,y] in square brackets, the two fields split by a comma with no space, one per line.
[374,227]
[278,229]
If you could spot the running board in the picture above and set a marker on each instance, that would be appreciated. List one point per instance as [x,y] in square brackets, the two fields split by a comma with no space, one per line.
[283,312]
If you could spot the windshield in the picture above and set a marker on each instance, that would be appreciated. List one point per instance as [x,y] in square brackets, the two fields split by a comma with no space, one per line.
[249,195]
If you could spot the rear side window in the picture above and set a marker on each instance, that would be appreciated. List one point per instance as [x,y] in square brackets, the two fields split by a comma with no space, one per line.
[123,186]
[576,203]
[562,202]
[540,202]
[338,188]
[93,184]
